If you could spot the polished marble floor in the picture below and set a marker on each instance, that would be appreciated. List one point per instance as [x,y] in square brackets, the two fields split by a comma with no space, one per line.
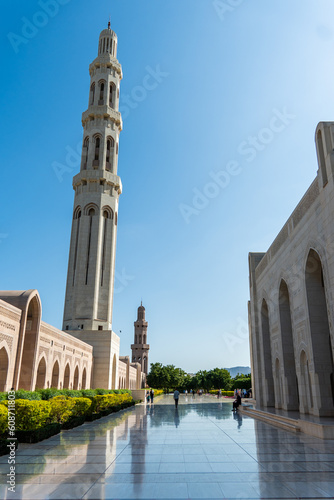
[200,451]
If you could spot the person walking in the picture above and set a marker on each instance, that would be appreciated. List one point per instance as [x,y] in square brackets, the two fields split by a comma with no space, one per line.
[152,395]
[176,397]
[148,396]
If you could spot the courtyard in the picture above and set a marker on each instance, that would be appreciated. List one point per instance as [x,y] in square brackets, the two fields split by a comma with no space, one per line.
[201,450]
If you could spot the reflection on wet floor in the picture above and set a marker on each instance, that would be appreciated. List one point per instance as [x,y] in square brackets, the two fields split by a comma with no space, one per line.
[200,450]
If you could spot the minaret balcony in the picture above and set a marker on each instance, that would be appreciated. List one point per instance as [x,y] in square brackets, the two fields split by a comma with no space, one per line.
[107,61]
[140,346]
[103,111]
[97,175]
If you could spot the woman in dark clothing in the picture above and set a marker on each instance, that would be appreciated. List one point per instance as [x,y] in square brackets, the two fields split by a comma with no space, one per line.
[237,402]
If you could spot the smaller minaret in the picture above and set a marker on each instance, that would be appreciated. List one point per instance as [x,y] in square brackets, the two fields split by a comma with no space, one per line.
[140,348]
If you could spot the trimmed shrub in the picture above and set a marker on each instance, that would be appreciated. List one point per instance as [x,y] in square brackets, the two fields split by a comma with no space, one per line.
[61,409]
[31,415]
[3,418]
[81,406]
[3,396]
[104,402]
[230,394]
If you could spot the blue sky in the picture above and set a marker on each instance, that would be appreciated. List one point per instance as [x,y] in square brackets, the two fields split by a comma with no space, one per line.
[240,92]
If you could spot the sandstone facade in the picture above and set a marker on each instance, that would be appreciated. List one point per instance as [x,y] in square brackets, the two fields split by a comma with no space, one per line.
[291,308]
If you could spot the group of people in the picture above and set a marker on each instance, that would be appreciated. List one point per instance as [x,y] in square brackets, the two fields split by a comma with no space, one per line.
[150,396]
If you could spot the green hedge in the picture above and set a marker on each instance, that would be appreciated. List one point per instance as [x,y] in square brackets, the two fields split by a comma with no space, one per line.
[224,393]
[66,411]
[3,419]
[46,394]
[36,435]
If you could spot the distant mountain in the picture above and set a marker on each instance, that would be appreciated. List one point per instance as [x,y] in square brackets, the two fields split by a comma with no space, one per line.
[245,370]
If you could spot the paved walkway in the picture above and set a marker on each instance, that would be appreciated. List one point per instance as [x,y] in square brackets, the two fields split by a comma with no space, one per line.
[202,450]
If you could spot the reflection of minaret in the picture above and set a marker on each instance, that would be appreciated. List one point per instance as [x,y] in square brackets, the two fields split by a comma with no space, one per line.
[140,348]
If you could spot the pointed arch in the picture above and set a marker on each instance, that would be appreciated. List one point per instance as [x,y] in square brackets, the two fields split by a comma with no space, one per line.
[76,378]
[320,336]
[110,153]
[41,373]
[269,396]
[4,365]
[92,94]
[102,84]
[112,95]
[107,212]
[29,353]
[85,151]
[88,209]
[290,397]
[67,374]
[55,375]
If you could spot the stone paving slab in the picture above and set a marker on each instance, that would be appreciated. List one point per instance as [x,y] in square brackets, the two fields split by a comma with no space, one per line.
[202,450]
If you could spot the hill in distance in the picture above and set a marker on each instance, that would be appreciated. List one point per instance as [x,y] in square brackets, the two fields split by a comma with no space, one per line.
[245,370]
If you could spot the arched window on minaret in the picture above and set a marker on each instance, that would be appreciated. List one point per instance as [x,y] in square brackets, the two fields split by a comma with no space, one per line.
[101,96]
[107,48]
[90,211]
[322,161]
[85,153]
[110,153]
[107,213]
[112,95]
[96,160]
[144,339]
[92,94]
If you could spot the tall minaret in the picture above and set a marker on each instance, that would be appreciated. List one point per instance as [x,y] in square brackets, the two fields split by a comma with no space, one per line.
[140,348]
[91,267]
[90,277]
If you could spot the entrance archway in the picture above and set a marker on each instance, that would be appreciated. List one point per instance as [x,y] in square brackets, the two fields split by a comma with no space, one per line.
[66,383]
[30,343]
[55,375]
[323,389]
[4,364]
[76,378]
[269,394]
[290,400]
[41,374]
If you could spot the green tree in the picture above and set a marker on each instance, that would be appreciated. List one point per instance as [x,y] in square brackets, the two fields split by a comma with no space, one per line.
[242,381]
[156,376]
[220,379]
[166,377]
